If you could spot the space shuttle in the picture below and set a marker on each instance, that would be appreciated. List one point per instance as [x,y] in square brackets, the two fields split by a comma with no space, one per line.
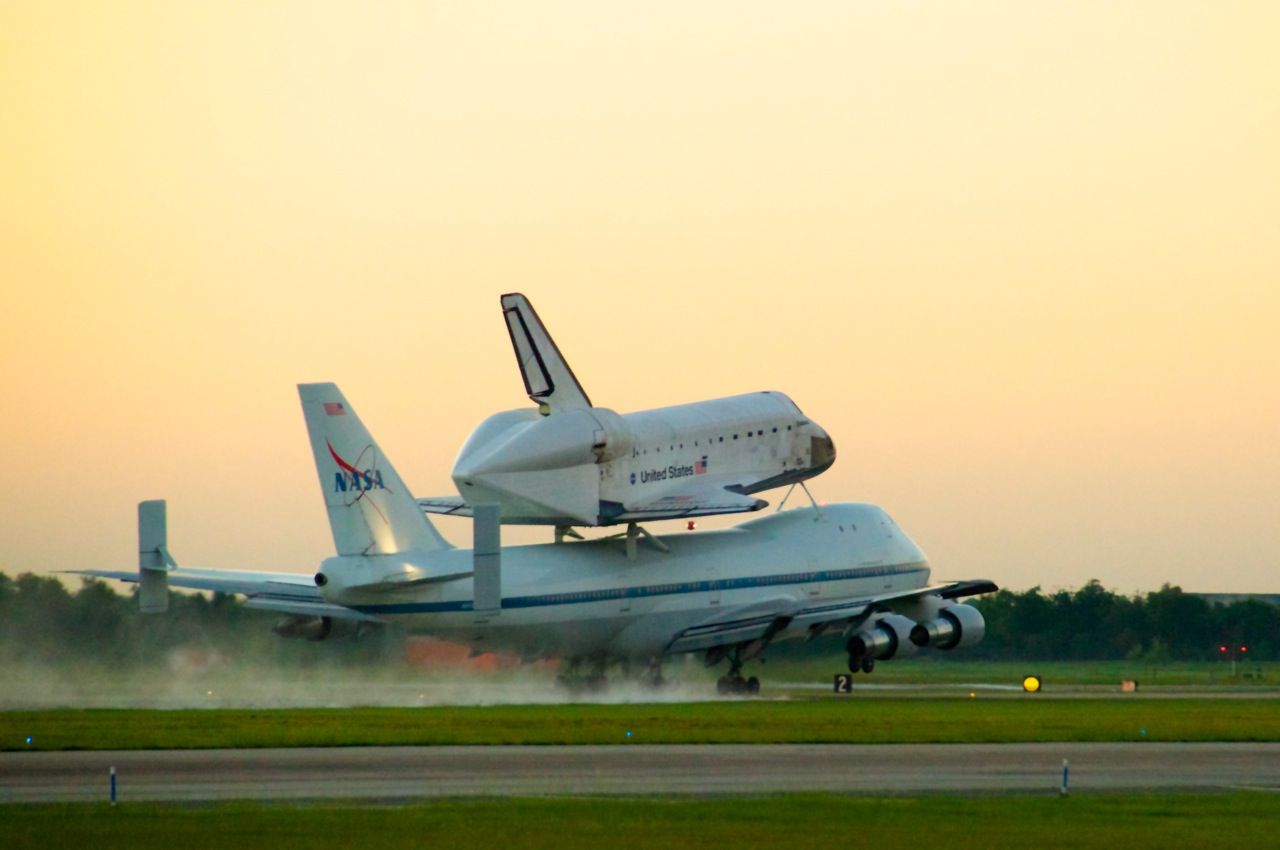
[566,462]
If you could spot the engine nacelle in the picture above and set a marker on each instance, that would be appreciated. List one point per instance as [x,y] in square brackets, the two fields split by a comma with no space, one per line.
[313,628]
[956,626]
[887,637]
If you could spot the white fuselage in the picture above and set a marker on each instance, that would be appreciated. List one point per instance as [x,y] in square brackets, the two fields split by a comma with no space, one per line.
[588,599]
[593,466]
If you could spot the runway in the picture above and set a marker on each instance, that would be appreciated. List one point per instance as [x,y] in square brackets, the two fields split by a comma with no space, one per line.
[408,773]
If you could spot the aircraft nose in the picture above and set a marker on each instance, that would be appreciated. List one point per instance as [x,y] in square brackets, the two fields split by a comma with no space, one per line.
[822,450]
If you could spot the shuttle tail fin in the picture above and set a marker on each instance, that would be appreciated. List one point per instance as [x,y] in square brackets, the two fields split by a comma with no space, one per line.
[371,511]
[547,377]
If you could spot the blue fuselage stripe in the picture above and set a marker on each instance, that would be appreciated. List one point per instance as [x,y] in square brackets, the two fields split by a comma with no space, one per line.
[609,593]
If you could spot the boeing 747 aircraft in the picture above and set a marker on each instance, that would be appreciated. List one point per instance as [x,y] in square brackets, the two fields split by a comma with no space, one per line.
[567,462]
[844,568]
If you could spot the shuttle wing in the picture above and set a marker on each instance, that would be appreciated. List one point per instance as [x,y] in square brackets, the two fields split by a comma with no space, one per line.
[707,501]
[288,593]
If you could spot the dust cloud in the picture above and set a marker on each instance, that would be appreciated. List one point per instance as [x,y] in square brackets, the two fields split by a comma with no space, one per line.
[223,684]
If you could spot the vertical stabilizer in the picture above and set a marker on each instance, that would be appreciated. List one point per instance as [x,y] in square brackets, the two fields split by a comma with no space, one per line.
[371,511]
[547,377]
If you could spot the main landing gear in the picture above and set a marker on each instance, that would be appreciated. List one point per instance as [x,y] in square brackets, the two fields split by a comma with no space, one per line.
[589,675]
[577,681]
[864,664]
[734,684]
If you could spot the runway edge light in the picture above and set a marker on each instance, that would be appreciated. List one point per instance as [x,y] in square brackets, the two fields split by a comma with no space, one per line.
[1032,684]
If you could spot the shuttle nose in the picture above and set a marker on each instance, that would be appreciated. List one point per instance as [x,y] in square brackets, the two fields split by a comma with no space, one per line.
[822,450]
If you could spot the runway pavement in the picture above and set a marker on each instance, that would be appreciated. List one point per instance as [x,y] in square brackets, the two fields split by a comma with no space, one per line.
[405,773]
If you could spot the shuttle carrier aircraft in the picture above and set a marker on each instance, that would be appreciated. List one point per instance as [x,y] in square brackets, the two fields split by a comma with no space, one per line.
[570,463]
[844,568]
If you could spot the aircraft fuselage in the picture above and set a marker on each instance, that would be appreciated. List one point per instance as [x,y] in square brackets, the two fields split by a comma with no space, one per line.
[588,599]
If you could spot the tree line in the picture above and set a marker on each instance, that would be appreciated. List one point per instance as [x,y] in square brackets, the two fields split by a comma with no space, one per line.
[1093,623]
[41,621]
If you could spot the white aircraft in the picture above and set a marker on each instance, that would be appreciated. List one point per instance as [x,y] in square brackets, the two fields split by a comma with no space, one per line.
[727,594]
[569,463]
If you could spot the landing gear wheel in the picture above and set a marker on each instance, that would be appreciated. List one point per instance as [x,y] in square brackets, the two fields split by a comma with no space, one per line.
[855,664]
[868,664]
[735,685]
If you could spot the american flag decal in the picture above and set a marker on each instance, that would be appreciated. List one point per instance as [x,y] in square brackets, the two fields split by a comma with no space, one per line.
[700,466]
[334,408]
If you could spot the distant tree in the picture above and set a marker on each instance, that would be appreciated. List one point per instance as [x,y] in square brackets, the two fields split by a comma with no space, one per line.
[1184,623]
[42,622]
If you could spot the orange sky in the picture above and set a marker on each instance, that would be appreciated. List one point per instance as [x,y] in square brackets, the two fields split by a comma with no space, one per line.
[1020,260]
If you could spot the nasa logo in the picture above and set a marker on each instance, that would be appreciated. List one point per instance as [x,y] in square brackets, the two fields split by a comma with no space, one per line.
[349,478]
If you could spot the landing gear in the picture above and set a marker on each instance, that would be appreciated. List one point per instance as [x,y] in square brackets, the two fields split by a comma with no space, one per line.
[733,684]
[572,679]
[652,676]
[864,664]
[737,686]
[588,675]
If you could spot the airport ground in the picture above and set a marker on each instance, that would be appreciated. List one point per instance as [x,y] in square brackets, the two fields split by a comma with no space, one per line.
[880,718]
[1120,797]
[1240,819]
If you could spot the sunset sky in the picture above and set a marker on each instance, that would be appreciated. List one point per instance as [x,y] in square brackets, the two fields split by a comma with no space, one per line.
[1021,260]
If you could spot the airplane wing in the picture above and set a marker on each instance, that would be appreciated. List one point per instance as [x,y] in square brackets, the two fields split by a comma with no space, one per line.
[445,506]
[288,593]
[765,620]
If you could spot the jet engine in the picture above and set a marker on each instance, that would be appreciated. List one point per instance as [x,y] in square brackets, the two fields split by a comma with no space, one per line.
[954,627]
[887,637]
[313,628]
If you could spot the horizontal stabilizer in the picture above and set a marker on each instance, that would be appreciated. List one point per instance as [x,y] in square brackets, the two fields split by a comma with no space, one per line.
[309,609]
[283,592]
[406,580]
[445,506]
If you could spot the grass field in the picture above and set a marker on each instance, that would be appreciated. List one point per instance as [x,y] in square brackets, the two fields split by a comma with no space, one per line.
[829,720]
[930,669]
[1240,820]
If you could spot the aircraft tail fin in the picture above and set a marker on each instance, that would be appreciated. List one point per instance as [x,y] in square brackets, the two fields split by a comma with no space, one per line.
[371,511]
[547,377]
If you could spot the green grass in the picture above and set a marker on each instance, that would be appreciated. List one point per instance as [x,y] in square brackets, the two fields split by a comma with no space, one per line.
[932,669]
[829,720]
[1238,820]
